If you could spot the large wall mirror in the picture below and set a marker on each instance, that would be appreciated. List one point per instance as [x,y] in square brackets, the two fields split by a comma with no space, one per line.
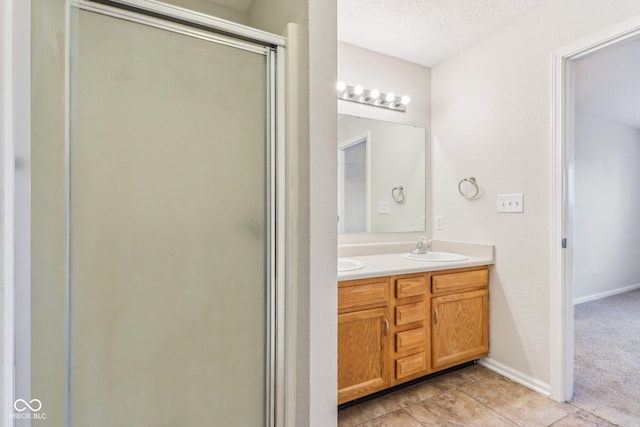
[381,176]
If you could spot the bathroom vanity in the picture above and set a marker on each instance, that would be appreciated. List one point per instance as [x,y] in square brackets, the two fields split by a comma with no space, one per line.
[417,319]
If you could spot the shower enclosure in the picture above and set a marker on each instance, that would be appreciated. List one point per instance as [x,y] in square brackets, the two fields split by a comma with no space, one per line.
[171,186]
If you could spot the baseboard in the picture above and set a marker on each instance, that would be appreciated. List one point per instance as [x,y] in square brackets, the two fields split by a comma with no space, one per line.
[516,376]
[606,294]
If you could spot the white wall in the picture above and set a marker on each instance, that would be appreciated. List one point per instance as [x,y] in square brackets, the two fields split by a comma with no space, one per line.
[491,112]
[16,90]
[607,207]
[6,250]
[387,74]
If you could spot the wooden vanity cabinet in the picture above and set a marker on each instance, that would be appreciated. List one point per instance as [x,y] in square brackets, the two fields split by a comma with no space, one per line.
[398,328]
[459,317]
[364,327]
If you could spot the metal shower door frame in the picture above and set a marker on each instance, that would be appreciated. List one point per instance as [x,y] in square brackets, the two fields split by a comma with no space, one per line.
[167,17]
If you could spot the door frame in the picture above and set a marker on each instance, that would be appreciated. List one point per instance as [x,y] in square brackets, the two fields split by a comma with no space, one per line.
[175,19]
[363,138]
[562,192]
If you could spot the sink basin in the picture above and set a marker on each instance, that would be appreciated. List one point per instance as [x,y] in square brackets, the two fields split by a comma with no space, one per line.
[436,257]
[346,264]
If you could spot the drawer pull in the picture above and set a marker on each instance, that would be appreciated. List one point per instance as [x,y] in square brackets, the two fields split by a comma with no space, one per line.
[437,316]
[386,327]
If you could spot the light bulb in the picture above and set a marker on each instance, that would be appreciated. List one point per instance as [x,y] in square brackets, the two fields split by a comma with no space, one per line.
[374,94]
[358,90]
[341,86]
[390,97]
[405,100]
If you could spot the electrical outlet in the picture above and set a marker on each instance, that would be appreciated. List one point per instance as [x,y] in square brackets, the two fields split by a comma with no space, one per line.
[383,208]
[511,203]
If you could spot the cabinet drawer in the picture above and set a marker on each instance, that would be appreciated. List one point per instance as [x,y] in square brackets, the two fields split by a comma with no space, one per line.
[410,313]
[366,294]
[410,287]
[410,339]
[410,365]
[460,281]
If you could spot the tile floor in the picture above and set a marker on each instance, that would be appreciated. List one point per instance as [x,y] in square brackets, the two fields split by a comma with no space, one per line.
[471,396]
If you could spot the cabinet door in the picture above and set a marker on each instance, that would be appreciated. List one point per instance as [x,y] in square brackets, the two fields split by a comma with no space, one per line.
[460,328]
[363,353]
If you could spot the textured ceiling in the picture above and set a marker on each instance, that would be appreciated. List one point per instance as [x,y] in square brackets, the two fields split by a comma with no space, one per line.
[608,83]
[423,31]
[240,5]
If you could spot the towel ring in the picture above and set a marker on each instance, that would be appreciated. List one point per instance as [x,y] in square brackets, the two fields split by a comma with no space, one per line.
[398,194]
[472,181]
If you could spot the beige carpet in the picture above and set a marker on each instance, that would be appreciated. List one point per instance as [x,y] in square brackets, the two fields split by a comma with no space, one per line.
[607,358]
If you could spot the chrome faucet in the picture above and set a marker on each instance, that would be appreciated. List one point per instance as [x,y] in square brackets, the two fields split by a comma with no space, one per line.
[422,247]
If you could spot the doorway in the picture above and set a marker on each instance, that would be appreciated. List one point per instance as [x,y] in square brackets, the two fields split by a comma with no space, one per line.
[563,199]
[354,186]
[607,239]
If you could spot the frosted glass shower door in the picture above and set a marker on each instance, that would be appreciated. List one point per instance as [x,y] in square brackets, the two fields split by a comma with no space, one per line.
[168,228]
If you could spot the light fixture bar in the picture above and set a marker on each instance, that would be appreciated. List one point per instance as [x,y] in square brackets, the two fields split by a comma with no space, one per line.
[372,97]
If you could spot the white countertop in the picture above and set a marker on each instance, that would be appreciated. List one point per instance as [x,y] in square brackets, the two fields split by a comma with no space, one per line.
[394,264]
[387,259]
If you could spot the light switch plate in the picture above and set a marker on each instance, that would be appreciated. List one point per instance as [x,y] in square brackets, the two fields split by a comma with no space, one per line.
[511,203]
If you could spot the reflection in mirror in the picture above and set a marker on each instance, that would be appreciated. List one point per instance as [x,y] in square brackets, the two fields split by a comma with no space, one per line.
[381,176]
[352,167]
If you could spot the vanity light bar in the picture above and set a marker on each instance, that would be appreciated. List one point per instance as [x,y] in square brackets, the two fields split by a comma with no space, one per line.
[372,97]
